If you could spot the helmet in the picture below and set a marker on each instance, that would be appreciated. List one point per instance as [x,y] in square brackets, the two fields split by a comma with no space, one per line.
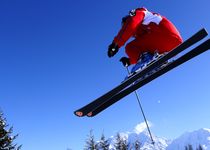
[130,14]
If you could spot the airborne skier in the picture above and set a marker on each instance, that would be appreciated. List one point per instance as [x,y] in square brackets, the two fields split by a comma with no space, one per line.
[153,34]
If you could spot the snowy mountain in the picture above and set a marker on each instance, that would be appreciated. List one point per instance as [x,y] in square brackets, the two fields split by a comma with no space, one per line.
[195,139]
[200,137]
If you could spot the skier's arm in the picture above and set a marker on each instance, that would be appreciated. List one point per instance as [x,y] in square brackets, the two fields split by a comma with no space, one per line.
[129,28]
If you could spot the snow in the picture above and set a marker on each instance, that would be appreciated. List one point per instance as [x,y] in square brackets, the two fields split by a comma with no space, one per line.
[141,127]
[194,138]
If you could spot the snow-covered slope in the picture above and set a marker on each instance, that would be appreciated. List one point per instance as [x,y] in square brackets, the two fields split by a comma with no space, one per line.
[200,137]
[141,134]
[144,138]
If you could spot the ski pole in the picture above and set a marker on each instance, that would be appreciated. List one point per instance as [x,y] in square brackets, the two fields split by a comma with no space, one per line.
[142,111]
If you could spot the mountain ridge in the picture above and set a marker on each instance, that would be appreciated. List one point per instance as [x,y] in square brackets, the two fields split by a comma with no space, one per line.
[200,137]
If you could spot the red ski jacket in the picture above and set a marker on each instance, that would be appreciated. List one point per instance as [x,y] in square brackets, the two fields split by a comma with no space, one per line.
[142,21]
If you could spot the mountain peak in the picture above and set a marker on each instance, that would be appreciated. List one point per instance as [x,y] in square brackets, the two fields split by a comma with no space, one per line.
[141,127]
[205,129]
[199,137]
[196,138]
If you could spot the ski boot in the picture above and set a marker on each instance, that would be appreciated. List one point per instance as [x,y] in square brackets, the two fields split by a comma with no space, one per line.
[143,62]
[156,57]
[145,59]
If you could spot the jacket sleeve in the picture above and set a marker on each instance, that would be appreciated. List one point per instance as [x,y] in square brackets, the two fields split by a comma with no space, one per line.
[129,28]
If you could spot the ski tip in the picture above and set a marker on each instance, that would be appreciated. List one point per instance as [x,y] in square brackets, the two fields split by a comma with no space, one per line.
[204,31]
[78,113]
[90,114]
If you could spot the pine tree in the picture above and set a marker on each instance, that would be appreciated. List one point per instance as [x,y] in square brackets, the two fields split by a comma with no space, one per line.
[90,142]
[6,139]
[189,147]
[121,144]
[103,144]
[199,147]
[137,145]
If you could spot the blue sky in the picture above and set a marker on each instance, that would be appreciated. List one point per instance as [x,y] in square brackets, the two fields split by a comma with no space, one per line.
[53,60]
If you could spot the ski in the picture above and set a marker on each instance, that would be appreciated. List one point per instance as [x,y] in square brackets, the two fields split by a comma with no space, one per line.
[191,54]
[97,102]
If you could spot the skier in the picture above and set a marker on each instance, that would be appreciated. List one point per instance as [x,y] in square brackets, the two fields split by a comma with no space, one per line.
[153,34]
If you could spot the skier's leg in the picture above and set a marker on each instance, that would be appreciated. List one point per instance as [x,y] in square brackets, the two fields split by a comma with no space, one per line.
[139,51]
[134,49]
[161,42]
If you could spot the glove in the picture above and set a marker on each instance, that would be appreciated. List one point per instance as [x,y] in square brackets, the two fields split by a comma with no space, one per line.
[112,49]
[125,61]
